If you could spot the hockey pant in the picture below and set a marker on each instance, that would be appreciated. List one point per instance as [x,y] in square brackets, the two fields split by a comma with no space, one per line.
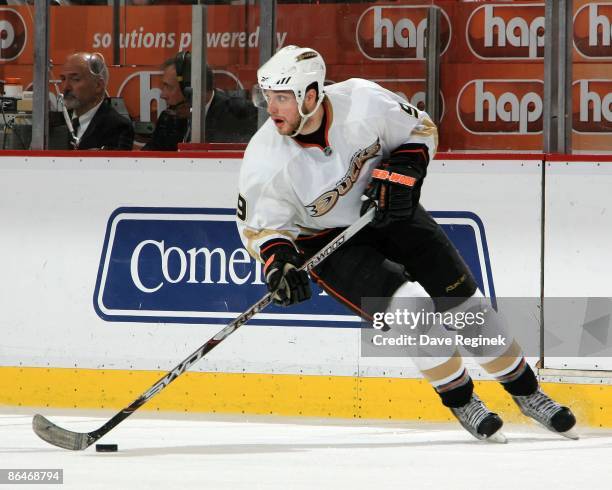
[415,259]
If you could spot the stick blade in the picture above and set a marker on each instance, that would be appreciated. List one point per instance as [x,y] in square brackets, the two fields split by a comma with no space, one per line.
[53,434]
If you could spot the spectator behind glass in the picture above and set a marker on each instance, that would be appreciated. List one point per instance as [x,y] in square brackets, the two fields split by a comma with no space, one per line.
[96,124]
[228,119]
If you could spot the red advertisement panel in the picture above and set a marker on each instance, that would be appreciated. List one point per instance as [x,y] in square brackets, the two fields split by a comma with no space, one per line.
[592,31]
[506,32]
[491,72]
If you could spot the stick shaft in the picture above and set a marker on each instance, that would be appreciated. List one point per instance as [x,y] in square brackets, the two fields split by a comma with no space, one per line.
[161,384]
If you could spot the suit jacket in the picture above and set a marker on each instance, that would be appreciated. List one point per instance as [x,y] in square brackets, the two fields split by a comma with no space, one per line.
[108,130]
[169,131]
[228,120]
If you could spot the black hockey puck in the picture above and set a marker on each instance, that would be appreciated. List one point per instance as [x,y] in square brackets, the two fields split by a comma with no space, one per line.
[107,448]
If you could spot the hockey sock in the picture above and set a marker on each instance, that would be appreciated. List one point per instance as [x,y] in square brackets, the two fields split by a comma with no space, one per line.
[521,381]
[458,392]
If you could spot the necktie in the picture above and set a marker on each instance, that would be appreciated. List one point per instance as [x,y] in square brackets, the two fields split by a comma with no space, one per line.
[75,125]
[75,129]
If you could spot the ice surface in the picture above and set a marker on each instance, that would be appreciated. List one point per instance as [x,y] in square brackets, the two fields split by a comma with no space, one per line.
[246,452]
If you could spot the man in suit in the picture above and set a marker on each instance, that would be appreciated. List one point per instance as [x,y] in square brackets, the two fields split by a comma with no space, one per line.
[96,125]
[228,119]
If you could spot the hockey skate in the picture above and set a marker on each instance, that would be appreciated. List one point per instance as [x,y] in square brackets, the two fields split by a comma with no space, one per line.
[547,412]
[479,421]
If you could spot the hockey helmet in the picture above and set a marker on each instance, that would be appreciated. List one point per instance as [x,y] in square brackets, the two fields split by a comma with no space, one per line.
[293,68]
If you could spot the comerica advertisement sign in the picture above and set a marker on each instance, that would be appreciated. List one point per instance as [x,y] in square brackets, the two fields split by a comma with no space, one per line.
[185,265]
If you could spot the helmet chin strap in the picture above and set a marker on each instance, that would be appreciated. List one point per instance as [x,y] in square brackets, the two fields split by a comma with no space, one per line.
[301,126]
[305,117]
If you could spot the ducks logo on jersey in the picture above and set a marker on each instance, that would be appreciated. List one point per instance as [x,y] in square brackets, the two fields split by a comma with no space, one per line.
[326,201]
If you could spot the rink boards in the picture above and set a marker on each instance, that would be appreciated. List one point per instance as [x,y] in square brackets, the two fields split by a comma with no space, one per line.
[115,268]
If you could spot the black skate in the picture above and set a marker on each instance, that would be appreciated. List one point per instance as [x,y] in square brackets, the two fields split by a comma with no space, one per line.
[547,412]
[479,421]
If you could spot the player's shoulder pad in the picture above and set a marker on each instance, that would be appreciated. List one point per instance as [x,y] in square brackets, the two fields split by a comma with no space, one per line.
[364,99]
[350,86]
[266,153]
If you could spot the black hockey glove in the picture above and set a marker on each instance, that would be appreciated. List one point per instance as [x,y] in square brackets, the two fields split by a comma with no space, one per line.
[285,281]
[395,188]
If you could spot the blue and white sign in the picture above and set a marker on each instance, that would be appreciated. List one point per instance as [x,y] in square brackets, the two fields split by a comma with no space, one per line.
[467,233]
[185,265]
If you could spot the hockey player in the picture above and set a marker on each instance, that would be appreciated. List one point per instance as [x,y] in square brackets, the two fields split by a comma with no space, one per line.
[302,181]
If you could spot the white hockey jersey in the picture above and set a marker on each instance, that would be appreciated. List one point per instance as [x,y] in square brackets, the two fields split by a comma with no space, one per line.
[286,189]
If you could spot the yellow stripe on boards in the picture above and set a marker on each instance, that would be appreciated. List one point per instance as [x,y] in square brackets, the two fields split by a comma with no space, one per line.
[276,394]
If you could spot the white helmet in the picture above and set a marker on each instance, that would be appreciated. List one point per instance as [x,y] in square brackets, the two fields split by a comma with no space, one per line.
[294,68]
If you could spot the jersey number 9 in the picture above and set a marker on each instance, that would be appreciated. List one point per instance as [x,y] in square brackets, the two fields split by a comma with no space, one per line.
[241,208]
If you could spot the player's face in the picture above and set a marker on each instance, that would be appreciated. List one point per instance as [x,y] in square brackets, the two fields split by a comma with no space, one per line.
[283,111]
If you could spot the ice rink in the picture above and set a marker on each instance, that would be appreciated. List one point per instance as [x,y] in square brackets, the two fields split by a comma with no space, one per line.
[183,452]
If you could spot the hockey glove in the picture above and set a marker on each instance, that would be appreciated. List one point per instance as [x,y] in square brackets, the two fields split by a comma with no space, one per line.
[285,281]
[396,185]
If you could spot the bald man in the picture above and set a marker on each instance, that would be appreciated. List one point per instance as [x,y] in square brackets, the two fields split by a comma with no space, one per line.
[96,124]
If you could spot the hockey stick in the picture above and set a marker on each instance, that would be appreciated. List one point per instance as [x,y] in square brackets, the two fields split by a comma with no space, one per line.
[76,441]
